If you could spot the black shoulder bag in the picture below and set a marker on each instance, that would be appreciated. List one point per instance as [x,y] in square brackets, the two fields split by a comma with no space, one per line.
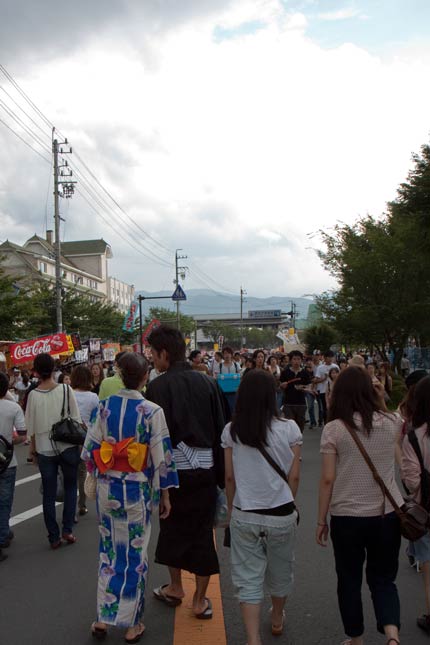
[67,430]
[278,469]
[6,453]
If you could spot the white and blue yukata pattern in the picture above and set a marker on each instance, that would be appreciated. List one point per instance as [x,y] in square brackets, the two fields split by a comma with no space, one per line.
[125,501]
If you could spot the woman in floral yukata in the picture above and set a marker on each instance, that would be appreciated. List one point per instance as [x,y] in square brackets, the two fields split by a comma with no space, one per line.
[128,450]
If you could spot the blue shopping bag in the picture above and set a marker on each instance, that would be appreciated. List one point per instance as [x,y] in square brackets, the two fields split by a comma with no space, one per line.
[228,382]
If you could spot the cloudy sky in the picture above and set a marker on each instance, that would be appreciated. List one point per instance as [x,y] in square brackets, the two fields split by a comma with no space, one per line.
[232,129]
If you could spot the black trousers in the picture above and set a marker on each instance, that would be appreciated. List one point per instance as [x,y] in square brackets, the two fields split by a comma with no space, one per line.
[376,541]
[322,408]
[186,538]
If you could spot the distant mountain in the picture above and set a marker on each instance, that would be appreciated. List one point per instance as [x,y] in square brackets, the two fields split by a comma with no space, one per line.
[204,301]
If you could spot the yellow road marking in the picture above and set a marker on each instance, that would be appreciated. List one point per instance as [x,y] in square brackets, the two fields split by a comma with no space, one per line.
[191,630]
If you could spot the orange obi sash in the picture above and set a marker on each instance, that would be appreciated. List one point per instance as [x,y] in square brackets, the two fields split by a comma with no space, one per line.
[126,456]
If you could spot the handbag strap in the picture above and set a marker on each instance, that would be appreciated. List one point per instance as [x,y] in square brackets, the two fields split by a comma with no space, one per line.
[273,463]
[373,470]
[64,401]
[68,399]
[413,440]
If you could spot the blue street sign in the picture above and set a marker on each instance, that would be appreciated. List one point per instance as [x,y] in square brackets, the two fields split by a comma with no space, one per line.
[179,294]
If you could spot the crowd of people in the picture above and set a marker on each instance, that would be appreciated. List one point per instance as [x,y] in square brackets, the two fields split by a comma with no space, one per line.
[174,434]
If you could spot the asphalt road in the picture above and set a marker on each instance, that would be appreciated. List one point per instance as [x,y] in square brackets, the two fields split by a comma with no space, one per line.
[48,597]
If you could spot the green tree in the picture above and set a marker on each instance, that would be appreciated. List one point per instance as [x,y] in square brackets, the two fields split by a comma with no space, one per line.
[217,328]
[80,314]
[12,308]
[383,270]
[320,337]
[168,317]
[256,337]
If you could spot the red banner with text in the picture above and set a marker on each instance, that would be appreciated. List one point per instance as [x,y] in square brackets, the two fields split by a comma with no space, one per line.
[27,351]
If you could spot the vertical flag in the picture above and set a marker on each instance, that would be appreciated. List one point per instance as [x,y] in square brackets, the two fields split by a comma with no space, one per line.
[129,318]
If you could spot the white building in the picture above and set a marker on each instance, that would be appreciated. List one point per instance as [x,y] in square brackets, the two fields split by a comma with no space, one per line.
[84,266]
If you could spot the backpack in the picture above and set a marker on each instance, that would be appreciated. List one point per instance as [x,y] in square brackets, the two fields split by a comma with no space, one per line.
[425,475]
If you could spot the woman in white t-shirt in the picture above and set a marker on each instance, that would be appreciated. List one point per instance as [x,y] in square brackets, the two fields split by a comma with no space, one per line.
[261,502]
[88,401]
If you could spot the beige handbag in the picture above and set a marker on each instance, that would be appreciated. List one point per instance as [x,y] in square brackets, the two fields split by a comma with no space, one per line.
[90,486]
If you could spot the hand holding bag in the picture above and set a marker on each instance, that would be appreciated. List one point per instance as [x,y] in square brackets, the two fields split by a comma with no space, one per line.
[67,430]
[414,519]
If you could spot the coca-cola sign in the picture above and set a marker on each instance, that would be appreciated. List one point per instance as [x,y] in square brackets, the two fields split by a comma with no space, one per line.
[27,351]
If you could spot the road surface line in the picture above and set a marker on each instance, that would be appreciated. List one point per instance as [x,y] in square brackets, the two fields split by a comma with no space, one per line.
[188,628]
[27,479]
[27,515]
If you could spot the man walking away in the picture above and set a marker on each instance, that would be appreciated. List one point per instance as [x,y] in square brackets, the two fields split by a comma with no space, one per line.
[194,415]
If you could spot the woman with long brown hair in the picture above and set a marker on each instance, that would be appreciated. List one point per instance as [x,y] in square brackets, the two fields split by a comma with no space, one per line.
[97,376]
[363,524]
[262,469]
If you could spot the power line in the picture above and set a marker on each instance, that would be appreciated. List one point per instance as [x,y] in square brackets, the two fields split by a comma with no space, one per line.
[202,273]
[48,122]
[102,204]
[24,126]
[22,110]
[120,208]
[89,202]
[24,141]
[27,98]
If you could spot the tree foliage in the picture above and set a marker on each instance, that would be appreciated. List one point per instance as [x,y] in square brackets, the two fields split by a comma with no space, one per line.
[12,307]
[382,267]
[32,312]
[320,336]
[168,317]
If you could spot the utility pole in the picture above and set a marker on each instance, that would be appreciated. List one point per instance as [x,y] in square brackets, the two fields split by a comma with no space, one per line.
[179,270]
[242,293]
[293,315]
[67,190]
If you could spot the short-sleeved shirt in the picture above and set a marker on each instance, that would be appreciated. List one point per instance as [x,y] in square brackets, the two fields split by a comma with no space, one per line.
[258,485]
[293,396]
[11,416]
[87,403]
[355,492]
[321,372]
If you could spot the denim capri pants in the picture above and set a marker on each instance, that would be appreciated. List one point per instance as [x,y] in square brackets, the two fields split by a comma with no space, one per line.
[262,551]
[421,548]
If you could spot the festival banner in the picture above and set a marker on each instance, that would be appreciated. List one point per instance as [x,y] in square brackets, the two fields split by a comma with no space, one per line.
[152,325]
[110,350]
[27,351]
[81,355]
[130,318]
[94,345]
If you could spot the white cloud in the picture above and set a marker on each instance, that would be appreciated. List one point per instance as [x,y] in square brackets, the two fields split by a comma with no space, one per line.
[340,14]
[232,150]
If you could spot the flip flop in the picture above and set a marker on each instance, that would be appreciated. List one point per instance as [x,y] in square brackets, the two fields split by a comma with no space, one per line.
[138,636]
[171,601]
[207,613]
[99,633]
